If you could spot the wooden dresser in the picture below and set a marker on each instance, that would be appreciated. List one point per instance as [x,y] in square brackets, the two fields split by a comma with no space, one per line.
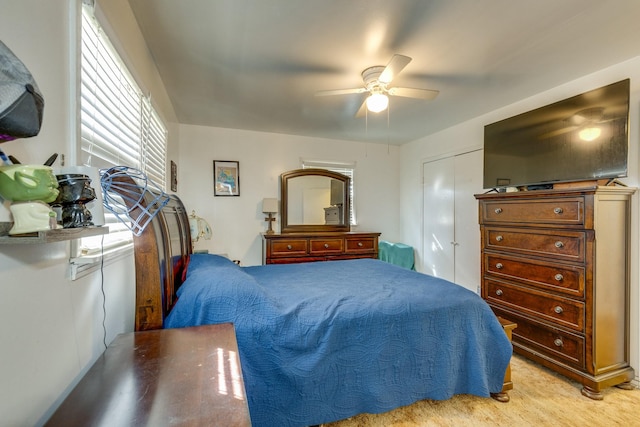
[318,246]
[187,376]
[556,262]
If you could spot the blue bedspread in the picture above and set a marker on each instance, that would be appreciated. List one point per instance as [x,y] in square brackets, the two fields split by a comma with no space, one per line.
[324,341]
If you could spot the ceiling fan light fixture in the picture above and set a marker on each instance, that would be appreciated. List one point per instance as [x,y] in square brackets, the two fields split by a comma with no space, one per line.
[377,102]
[589,133]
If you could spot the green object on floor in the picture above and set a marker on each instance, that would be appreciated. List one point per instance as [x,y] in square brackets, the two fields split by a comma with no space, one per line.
[397,254]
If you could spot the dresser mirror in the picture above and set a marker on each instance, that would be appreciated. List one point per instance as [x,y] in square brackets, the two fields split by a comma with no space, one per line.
[314,200]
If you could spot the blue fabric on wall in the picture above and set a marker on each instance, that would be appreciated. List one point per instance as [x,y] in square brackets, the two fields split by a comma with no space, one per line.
[397,254]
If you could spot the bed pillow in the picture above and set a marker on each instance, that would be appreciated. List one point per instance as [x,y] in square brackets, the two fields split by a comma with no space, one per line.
[216,290]
[197,261]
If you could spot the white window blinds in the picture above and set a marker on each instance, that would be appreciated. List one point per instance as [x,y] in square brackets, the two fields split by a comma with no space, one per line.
[119,126]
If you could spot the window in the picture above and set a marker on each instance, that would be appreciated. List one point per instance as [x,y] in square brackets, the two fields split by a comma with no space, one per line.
[118,127]
[347,169]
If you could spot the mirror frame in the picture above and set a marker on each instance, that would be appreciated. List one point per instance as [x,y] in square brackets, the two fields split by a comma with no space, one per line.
[285,227]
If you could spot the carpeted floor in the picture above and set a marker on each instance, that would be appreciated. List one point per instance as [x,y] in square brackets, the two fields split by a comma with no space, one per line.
[539,398]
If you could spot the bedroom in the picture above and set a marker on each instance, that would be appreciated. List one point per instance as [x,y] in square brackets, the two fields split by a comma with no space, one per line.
[55,330]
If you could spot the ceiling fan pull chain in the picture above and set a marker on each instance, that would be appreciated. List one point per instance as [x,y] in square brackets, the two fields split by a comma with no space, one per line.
[388,131]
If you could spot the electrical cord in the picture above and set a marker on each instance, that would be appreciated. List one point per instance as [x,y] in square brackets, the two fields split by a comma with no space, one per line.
[104,295]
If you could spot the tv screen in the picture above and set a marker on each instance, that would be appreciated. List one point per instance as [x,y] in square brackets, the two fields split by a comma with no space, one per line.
[578,139]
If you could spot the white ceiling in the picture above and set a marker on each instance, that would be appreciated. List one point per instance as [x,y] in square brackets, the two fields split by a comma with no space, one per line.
[256,64]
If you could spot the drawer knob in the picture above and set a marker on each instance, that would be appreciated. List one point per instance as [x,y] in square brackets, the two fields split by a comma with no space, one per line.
[360,244]
[558,342]
[499,238]
[326,246]
[498,210]
[499,292]
[289,247]
[558,211]
[499,266]
[559,244]
[558,309]
[559,277]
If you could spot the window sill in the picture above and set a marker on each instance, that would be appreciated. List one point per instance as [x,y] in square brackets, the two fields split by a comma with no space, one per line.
[85,265]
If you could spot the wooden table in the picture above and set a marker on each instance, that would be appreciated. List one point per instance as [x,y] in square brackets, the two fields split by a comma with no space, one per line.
[503,396]
[508,327]
[188,376]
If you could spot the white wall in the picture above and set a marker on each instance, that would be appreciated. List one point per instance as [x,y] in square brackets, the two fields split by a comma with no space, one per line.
[470,134]
[238,221]
[51,328]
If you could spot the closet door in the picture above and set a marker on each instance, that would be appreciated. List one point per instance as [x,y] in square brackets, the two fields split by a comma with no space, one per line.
[450,221]
[438,228]
[468,181]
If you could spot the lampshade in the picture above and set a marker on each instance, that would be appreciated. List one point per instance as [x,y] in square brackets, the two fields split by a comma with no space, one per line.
[200,228]
[377,102]
[269,205]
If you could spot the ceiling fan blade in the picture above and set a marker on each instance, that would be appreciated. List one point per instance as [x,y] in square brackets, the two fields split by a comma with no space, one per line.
[362,111]
[393,68]
[408,92]
[558,132]
[340,91]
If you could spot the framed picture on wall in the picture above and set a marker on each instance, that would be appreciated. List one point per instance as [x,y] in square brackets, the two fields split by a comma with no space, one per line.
[226,178]
[174,176]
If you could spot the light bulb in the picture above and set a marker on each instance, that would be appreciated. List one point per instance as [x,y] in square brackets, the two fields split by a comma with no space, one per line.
[589,134]
[377,102]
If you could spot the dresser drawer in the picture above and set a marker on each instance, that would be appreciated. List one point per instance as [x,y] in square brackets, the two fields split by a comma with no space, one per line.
[570,245]
[318,246]
[536,337]
[288,247]
[325,246]
[567,279]
[562,311]
[365,244]
[549,211]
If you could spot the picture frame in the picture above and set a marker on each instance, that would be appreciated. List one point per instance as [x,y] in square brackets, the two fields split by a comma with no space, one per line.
[226,178]
[174,176]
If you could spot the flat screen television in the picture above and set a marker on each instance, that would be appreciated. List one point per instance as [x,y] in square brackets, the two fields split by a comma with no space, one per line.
[582,138]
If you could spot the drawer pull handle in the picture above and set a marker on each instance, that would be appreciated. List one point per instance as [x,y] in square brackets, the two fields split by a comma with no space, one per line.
[558,211]
[558,342]
[499,238]
[499,292]
[498,210]
[289,247]
[558,309]
[559,244]
[360,244]
[326,246]
[499,266]
[559,277]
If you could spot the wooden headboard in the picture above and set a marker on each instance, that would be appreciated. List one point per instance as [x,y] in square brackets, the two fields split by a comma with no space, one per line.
[161,254]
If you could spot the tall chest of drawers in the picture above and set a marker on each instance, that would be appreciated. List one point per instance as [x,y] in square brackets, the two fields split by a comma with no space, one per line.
[556,262]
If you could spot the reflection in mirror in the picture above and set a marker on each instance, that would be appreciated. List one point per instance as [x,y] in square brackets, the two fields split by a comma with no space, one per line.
[314,200]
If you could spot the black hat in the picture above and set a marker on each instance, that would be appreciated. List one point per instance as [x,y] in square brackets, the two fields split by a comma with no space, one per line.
[21,102]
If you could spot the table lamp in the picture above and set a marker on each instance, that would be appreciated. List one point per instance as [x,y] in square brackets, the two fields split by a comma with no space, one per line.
[199,227]
[270,207]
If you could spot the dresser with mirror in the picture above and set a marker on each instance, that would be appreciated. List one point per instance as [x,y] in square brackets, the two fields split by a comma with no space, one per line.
[315,223]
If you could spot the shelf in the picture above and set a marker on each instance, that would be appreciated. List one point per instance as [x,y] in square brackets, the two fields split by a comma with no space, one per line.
[49,236]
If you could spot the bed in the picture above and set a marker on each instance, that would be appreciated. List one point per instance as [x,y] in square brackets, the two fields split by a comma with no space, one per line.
[323,341]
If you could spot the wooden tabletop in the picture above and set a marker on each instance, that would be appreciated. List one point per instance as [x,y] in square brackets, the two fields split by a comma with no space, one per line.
[182,377]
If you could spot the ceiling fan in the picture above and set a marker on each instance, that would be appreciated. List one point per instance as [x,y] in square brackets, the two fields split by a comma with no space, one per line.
[376,81]
[585,122]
